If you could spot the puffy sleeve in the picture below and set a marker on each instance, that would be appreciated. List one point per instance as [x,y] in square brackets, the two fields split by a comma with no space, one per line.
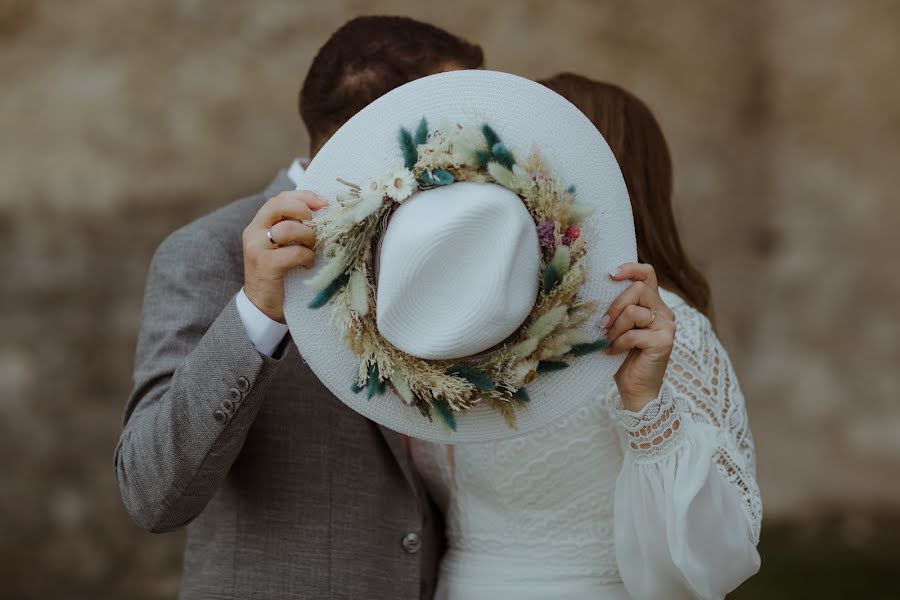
[687,505]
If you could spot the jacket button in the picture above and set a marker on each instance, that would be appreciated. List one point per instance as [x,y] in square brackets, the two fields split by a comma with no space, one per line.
[220,416]
[243,384]
[227,406]
[234,395]
[411,542]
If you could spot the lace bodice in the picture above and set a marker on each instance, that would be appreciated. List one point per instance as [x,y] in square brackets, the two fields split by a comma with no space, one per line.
[517,498]
[553,503]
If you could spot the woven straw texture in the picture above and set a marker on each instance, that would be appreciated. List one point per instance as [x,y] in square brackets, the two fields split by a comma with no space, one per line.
[459,271]
[525,115]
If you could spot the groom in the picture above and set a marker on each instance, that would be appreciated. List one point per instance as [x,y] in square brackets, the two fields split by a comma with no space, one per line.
[285,492]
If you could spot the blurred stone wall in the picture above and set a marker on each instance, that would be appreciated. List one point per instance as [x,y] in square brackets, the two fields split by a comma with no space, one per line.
[121,120]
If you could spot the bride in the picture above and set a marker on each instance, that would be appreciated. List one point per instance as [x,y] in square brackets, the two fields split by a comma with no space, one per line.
[647,492]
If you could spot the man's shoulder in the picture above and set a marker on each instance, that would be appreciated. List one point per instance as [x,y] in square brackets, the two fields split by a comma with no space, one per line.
[223,225]
[221,229]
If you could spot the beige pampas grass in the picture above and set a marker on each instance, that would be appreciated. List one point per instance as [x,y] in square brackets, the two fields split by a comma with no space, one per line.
[330,271]
[502,175]
[402,387]
[525,348]
[358,289]
[546,323]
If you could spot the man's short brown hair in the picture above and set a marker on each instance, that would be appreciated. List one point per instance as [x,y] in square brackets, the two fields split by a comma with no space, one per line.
[370,56]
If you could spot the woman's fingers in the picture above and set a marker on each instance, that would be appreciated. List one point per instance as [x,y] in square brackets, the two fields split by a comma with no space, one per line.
[633,316]
[293,204]
[635,272]
[644,291]
[291,233]
[636,293]
[648,340]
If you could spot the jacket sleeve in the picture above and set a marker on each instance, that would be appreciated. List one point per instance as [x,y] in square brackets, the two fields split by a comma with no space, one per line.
[687,506]
[198,384]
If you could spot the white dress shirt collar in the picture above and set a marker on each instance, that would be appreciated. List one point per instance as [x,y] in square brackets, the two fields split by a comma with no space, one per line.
[297,169]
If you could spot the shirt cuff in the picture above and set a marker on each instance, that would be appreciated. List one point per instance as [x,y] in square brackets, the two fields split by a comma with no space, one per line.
[265,333]
[655,430]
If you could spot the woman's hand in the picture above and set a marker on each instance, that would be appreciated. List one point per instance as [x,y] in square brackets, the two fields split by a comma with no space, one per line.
[640,323]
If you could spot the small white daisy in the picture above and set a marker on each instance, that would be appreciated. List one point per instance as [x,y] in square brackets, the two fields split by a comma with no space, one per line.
[399,184]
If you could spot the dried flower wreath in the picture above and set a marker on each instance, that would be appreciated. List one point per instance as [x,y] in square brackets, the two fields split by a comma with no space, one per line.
[550,333]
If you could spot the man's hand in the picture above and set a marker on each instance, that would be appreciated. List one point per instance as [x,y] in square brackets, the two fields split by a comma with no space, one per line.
[265,262]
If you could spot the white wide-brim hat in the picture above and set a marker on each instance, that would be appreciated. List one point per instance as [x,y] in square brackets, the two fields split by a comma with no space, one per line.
[526,116]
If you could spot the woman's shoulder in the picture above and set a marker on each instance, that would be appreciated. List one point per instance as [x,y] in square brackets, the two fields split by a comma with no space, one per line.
[671,299]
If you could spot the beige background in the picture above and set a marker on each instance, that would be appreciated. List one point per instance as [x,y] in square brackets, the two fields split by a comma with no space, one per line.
[121,120]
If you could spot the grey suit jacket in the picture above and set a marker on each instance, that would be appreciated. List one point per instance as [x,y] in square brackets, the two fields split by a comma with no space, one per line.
[286,492]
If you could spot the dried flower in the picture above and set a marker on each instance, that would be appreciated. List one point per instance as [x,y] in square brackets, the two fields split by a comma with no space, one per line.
[546,231]
[369,202]
[373,186]
[399,184]
[571,234]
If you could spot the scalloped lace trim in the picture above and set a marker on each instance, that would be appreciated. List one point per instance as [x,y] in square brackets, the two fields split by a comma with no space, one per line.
[652,432]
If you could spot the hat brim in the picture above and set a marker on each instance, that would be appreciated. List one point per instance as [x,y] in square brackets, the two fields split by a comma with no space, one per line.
[526,115]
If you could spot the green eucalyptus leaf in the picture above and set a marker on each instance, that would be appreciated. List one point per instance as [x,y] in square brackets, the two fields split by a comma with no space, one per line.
[422,132]
[551,278]
[446,413]
[547,366]
[437,177]
[322,298]
[408,147]
[582,349]
[477,378]
[502,155]
[373,385]
[490,136]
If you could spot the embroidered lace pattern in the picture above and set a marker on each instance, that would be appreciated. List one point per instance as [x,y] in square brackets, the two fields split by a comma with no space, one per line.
[700,384]
[652,432]
[545,498]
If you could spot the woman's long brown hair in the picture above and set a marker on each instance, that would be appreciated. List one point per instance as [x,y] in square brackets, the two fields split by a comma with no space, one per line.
[640,148]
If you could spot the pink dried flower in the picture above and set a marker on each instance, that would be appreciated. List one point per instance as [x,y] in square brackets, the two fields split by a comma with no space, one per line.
[571,234]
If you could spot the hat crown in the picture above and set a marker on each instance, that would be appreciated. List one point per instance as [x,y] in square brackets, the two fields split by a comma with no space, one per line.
[458,271]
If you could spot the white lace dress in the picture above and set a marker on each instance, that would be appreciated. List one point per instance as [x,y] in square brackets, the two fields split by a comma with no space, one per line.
[608,504]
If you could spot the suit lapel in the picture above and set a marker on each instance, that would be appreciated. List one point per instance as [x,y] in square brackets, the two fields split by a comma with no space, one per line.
[401,454]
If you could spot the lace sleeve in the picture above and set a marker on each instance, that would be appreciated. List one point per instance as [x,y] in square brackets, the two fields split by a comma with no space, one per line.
[700,384]
[701,374]
[652,432]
